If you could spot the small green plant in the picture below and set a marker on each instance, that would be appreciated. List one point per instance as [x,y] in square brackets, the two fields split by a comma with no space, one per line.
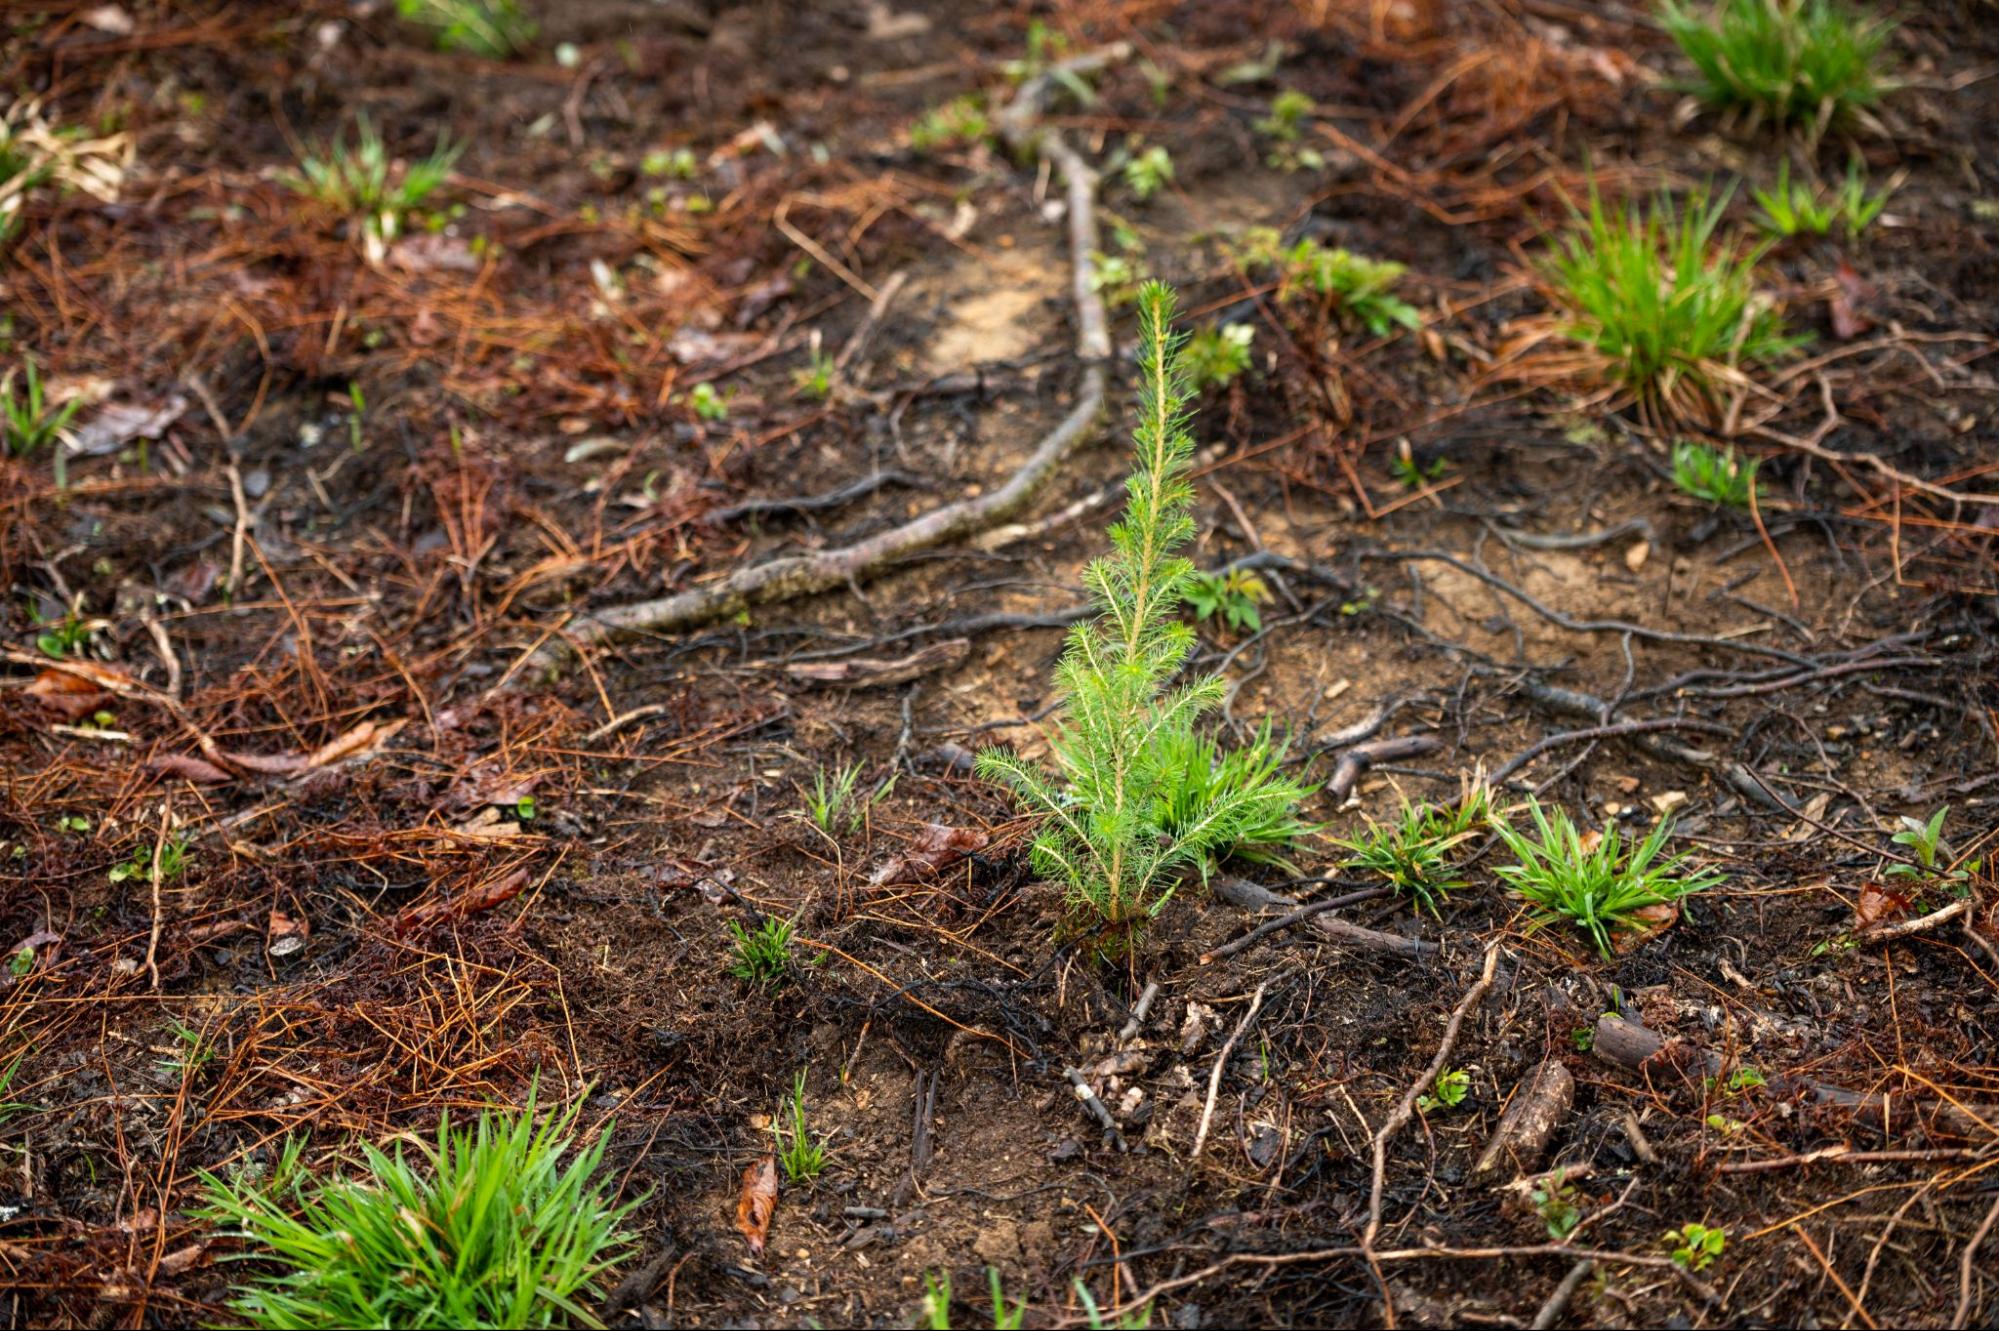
[74,822]
[1669,312]
[832,804]
[1284,127]
[60,638]
[762,956]
[815,380]
[707,403]
[672,163]
[801,1154]
[1130,808]
[1137,1319]
[960,122]
[1415,475]
[1808,62]
[1925,839]
[1595,882]
[1362,288]
[1417,853]
[1795,208]
[193,1051]
[1148,172]
[139,867]
[524,809]
[1116,276]
[1453,1084]
[31,422]
[937,1300]
[496,29]
[1006,1316]
[1214,356]
[1714,475]
[361,182]
[10,1108]
[1694,1247]
[1199,776]
[1232,597]
[490,1229]
[1554,1199]
[1745,1078]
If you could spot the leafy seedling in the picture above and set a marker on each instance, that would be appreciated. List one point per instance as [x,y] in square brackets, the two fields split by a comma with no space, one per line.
[707,403]
[1453,1084]
[1148,172]
[1232,597]
[1214,357]
[1924,837]
[1694,1246]
[139,867]
[1416,475]
[815,380]
[1554,1199]
[1713,475]
[1595,882]
[958,123]
[1285,128]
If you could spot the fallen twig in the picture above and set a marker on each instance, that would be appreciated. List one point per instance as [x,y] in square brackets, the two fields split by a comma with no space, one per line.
[1405,1109]
[1222,1062]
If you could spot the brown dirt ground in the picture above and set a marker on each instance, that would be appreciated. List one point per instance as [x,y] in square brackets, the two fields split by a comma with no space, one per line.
[526,453]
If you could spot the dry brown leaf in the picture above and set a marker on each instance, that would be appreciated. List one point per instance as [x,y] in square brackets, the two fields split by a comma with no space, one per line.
[188,768]
[758,1203]
[484,897]
[935,849]
[287,935]
[1878,904]
[1654,920]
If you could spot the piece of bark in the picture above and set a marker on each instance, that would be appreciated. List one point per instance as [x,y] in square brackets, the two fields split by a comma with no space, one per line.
[1524,1130]
[1628,1045]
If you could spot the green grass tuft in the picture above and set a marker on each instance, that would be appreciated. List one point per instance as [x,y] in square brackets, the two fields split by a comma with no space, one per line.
[1788,61]
[1714,475]
[1672,314]
[487,1228]
[1596,883]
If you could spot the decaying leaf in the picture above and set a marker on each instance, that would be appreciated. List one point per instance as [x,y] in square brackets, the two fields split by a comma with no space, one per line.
[1877,905]
[757,1204]
[935,849]
[187,768]
[1655,920]
[287,934]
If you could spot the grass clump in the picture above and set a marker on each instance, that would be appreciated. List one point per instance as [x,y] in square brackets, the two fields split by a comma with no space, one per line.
[1713,475]
[362,182]
[1785,61]
[762,956]
[1670,313]
[31,422]
[496,29]
[1796,208]
[1595,881]
[1417,853]
[802,1155]
[1137,798]
[487,1228]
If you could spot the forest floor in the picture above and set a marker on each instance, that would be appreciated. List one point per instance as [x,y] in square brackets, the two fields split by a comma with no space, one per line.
[316,603]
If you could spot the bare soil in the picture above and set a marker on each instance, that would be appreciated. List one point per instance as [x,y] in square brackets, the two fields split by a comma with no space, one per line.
[505,877]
